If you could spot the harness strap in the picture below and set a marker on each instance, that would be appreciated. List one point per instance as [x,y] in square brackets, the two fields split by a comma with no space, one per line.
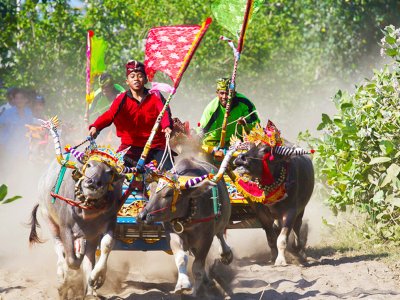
[158,210]
[216,204]
[60,177]
[207,219]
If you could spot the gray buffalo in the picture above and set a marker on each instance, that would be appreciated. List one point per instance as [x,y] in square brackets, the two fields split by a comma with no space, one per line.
[192,216]
[79,226]
[292,168]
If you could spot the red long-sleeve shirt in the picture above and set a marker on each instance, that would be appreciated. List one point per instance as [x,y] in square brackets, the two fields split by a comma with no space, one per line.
[134,120]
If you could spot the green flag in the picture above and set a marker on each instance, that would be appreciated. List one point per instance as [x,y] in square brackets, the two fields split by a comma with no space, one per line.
[97,65]
[230,13]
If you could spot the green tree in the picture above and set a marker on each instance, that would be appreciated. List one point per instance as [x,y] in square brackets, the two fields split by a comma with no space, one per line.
[44,48]
[291,47]
[358,157]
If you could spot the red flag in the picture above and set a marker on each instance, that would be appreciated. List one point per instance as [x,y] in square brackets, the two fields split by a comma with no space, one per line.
[169,49]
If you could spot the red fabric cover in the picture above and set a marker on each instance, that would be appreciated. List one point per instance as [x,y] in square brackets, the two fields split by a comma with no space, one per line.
[267,178]
[251,188]
[135,120]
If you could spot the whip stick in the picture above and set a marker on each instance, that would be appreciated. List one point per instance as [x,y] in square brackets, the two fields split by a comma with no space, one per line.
[232,85]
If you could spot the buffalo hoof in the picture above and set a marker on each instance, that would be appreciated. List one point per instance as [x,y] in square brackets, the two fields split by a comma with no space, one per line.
[96,283]
[226,258]
[280,262]
[91,297]
[183,288]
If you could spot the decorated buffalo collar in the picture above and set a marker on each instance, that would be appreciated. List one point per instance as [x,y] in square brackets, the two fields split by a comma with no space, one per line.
[266,190]
[266,194]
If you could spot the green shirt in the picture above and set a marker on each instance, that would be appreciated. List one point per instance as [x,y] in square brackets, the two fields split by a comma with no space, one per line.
[213,117]
[101,103]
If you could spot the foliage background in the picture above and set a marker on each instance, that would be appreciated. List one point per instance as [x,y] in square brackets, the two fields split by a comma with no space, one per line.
[358,157]
[292,49]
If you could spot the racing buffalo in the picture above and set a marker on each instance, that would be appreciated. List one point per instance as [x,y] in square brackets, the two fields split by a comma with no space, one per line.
[192,217]
[291,167]
[80,217]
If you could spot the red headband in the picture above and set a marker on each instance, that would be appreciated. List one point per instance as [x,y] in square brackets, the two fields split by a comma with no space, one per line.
[134,66]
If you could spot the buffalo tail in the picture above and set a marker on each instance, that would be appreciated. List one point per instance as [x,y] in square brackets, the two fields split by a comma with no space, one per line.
[33,237]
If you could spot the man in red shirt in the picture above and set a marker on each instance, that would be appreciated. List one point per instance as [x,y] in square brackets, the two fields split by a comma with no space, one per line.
[134,113]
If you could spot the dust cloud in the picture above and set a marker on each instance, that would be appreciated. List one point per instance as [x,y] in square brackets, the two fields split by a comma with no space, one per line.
[22,175]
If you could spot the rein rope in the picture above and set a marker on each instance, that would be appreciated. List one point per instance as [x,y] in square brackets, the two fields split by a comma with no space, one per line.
[167,151]
[81,143]
[234,121]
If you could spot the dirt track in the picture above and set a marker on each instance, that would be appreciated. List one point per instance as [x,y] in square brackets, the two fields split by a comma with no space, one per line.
[30,273]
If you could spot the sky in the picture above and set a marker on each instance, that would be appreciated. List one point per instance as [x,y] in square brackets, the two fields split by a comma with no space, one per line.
[76,3]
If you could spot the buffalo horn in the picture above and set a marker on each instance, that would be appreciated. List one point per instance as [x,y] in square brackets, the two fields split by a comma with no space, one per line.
[289,151]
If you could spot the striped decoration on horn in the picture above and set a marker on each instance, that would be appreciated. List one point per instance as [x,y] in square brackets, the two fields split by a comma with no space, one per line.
[151,166]
[128,170]
[286,151]
[77,154]
[196,180]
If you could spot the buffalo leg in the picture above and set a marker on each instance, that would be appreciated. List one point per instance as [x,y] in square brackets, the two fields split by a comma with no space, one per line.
[267,223]
[88,263]
[68,242]
[98,275]
[62,269]
[181,261]
[272,240]
[225,250]
[282,241]
[298,244]
[198,268]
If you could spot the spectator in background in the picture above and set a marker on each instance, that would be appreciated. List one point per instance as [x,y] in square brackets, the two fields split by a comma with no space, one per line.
[38,107]
[37,135]
[13,142]
[105,95]
[10,99]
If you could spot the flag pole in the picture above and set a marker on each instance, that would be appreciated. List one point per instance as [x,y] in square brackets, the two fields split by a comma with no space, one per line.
[90,34]
[233,78]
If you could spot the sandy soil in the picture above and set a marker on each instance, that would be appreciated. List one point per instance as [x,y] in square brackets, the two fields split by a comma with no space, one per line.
[30,273]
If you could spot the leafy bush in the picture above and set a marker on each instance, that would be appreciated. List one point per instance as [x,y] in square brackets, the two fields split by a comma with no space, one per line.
[3,194]
[358,155]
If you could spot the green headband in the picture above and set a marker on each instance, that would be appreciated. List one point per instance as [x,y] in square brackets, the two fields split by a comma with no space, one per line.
[105,79]
[223,84]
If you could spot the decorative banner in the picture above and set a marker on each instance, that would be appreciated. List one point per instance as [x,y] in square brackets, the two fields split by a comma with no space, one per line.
[95,53]
[169,49]
[89,95]
[97,65]
[229,13]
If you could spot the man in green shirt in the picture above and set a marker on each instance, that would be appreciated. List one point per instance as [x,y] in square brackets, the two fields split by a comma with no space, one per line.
[242,112]
[105,95]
